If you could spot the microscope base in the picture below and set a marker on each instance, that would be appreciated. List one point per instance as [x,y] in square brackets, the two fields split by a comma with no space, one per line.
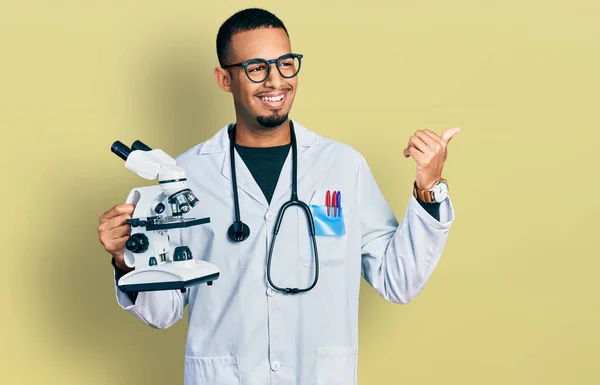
[169,276]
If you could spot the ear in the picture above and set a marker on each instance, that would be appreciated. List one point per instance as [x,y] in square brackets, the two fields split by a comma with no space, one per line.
[223,78]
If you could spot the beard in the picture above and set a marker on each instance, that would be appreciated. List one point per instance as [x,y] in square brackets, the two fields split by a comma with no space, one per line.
[272,121]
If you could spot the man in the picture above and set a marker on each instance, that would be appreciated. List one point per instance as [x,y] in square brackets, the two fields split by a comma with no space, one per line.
[246,328]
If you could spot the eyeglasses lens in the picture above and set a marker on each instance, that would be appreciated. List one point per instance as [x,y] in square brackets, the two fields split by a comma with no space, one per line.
[258,70]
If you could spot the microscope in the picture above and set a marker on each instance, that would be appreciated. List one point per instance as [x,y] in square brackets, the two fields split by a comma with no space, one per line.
[156,266]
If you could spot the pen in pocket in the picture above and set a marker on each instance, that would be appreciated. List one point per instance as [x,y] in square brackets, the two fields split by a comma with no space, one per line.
[334,203]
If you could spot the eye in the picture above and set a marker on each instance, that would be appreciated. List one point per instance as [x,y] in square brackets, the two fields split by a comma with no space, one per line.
[256,67]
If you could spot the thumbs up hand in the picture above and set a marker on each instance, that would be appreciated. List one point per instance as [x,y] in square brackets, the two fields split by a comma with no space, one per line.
[429,150]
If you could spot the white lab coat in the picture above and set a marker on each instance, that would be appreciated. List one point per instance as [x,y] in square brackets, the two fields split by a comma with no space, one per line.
[242,332]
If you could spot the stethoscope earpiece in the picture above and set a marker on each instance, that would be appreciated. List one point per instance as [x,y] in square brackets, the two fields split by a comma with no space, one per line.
[238,231]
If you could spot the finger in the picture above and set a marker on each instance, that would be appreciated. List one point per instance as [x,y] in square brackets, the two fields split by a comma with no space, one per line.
[409,146]
[120,231]
[108,236]
[116,245]
[449,133]
[123,208]
[431,143]
[415,154]
[435,137]
[113,222]
[120,243]
[419,144]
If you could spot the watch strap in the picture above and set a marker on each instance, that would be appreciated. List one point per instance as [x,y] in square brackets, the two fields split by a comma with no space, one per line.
[425,195]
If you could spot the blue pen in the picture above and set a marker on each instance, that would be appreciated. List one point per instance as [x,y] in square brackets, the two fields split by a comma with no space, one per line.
[339,202]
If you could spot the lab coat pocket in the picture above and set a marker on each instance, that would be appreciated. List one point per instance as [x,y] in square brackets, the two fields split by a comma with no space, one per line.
[336,366]
[211,370]
[328,223]
[330,234]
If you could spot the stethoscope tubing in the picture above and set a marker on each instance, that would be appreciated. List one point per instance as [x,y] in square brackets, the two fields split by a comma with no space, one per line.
[239,231]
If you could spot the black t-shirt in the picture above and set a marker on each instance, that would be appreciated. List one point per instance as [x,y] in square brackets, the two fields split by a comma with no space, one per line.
[265,164]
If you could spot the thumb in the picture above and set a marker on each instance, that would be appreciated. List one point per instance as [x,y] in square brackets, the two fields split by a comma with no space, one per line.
[449,133]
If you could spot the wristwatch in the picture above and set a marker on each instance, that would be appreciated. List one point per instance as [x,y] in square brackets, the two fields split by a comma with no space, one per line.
[437,194]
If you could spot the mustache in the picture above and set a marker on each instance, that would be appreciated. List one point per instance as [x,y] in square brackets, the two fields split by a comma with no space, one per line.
[260,93]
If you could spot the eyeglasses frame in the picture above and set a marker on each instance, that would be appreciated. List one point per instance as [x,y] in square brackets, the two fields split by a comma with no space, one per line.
[246,63]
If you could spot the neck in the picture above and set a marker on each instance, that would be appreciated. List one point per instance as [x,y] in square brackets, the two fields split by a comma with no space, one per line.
[248,136]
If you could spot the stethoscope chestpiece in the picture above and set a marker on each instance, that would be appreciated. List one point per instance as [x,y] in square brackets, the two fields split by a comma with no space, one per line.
[238,231]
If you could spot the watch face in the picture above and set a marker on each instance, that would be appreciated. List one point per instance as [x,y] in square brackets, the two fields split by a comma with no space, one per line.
[440,192]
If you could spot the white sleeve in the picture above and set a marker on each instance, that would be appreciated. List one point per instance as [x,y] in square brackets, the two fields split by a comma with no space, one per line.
[159,309]
[398,259]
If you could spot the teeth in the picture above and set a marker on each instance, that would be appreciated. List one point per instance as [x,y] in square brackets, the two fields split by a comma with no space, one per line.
[273,99]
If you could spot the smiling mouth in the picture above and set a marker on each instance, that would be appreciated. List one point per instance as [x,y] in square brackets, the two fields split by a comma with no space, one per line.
[273,100]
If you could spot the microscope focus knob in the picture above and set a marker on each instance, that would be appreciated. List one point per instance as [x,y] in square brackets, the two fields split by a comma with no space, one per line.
[159,208]
[137,243]
[182,253]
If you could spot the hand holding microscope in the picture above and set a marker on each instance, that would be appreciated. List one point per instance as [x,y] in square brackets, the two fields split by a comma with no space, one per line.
[157,267]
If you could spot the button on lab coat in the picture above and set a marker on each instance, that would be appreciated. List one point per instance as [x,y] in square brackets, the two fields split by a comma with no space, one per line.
[240,330]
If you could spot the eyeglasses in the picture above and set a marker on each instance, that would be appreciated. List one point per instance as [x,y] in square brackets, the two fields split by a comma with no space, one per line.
[258,70]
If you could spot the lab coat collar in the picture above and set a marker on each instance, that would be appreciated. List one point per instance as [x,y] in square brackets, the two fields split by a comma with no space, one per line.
[219,143]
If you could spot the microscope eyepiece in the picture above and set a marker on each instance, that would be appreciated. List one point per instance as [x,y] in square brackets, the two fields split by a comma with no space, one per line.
[121,150]
[139,145]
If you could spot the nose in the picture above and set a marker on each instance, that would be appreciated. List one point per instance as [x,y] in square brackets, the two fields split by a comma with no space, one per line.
[274,79]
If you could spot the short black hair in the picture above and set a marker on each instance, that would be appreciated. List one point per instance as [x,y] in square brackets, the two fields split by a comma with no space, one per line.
[244,20]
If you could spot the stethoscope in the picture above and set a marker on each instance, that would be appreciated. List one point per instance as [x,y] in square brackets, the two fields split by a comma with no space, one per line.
[239,231]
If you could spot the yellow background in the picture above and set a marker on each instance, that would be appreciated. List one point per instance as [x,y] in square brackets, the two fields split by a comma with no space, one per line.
[514,299]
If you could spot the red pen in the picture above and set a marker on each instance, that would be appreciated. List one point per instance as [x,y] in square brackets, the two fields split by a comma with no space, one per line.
[334,203]
[328,201]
